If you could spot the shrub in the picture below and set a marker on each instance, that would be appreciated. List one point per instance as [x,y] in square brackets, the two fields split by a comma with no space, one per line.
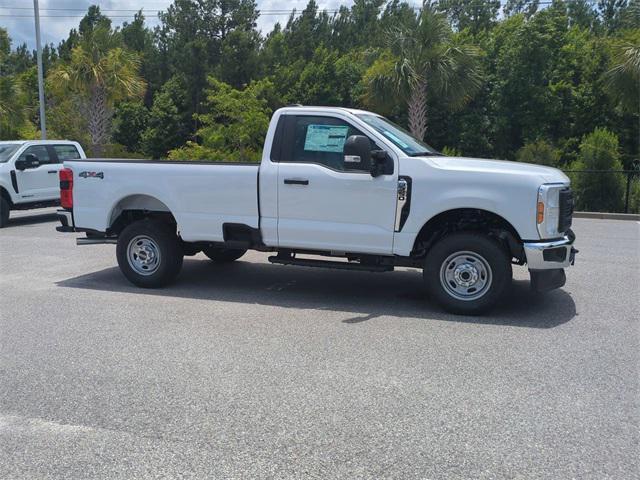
[604,191]
[452,152]
[539,152]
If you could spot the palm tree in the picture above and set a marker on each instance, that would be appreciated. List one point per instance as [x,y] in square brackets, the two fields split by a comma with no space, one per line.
[623,79]
[428,61]
[100,73]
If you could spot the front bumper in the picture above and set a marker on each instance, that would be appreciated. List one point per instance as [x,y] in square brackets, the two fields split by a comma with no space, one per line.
[551,255]
[547,261]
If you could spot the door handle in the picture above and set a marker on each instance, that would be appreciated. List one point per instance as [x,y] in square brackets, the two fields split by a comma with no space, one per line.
[52,171]
[293,181]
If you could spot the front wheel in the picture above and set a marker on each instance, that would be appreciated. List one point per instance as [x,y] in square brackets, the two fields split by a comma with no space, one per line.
[467,273]
[4,212]
[149,253]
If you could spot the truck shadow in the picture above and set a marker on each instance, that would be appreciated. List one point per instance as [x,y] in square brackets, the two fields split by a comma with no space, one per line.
[31,219]
[366,295]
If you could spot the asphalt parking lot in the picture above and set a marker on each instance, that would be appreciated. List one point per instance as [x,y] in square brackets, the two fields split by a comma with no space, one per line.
[253,370]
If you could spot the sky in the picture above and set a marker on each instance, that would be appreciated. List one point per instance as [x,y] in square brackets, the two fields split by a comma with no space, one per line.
[17,15]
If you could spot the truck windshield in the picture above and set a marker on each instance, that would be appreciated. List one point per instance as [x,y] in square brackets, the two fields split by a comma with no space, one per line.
[398,136]
[7,150]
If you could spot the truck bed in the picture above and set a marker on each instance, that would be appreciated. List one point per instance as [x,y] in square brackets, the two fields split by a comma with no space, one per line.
[200,195]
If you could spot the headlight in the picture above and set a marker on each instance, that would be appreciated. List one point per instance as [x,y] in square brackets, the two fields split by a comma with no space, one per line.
[548,210]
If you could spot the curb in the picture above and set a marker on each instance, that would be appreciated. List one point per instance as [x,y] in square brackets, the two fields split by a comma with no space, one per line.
[607,216]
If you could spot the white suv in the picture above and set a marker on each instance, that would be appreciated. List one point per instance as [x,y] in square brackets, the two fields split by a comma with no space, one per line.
[29,173]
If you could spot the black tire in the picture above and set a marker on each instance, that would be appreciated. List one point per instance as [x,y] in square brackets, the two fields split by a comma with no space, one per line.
[223,255]
[5,208]
[154,236]
[467,273]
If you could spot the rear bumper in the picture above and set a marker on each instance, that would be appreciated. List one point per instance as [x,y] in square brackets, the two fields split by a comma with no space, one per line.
[65,217]
[551,255]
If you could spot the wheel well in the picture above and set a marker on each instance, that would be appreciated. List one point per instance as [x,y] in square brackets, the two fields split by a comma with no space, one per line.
[138,207]
[469,220]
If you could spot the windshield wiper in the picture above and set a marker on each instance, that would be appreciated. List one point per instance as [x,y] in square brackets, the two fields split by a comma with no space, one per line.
[427,154]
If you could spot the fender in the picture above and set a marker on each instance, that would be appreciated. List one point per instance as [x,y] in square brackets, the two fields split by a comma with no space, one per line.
[9,193]
[136,202]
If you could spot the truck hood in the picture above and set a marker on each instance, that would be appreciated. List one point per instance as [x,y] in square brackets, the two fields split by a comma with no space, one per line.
[480,165]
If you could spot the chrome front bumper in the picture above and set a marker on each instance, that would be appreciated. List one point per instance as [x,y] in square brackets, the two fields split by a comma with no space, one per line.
[551,255]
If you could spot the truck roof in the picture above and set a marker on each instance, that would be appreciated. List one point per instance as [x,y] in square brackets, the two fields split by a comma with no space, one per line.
[37,142]
[294,108]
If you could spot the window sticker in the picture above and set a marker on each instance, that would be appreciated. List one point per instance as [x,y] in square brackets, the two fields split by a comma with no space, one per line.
[325,138]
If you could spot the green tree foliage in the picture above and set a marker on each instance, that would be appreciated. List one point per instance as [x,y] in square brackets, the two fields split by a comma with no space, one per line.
[623,78]
[193,36]
[476,15]
[540,152]
[130,121]
[14,105]
[602,192]
[485,84]
[167,125]
[234,126]
[100,73]
[429,61]
[451,152]
[611,12]
[524,7]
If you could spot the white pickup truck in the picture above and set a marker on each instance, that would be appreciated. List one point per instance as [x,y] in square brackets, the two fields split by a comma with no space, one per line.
[338,188]
[29,173]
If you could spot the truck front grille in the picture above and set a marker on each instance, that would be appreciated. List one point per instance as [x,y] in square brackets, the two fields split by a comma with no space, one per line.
[566,209]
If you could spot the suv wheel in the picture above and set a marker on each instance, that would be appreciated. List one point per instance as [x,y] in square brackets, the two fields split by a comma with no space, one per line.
[467,273]
[149,253]
[5,208]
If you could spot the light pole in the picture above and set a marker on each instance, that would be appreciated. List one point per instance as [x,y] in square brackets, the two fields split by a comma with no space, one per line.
[43,126]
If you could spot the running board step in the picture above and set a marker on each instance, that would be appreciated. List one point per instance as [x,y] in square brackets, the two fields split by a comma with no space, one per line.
[328,264]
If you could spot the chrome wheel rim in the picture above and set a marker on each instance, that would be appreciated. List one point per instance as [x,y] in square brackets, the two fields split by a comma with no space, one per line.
[143,255]
[466,275]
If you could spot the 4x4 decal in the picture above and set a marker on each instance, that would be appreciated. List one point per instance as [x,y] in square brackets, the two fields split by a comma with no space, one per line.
[92,175]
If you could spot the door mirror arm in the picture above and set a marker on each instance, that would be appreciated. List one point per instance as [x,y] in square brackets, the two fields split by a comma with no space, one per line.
[378,162]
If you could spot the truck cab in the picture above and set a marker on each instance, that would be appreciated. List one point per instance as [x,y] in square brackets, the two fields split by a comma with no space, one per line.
[29,173]
[337,183]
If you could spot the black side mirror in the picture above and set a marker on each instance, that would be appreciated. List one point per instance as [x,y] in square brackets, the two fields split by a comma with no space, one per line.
[357,152]
[378,162]
[29,161]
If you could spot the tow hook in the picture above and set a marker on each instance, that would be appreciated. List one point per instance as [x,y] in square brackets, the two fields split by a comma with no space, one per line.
[572,255]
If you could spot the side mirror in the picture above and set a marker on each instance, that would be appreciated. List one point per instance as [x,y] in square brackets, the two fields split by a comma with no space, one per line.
[357,152]
[29,161]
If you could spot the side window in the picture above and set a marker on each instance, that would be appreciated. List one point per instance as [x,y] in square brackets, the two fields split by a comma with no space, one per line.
[39,151]
[66,152]
[321,140]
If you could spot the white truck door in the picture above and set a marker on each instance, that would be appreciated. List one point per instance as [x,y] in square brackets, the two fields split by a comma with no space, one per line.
[325,203]
[39,183]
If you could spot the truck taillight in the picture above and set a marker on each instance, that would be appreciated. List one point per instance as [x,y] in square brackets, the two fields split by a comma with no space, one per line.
[66,188]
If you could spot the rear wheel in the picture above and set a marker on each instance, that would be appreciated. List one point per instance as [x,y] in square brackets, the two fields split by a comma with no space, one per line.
[149,253]
[223,255]
[467,273]
[4,212]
